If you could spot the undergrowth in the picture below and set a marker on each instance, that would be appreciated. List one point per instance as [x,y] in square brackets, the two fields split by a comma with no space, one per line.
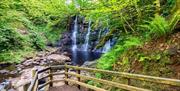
[24,28]
[107,60]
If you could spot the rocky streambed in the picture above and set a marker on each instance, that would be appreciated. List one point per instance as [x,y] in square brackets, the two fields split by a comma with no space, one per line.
[14,75]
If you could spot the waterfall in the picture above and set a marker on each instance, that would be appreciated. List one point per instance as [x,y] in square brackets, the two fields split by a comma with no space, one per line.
[74,41]
[99,35]
[74,35]
[85,48]
[107,46]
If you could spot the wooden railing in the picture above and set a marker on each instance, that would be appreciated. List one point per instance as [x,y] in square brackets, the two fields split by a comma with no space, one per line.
[35,87]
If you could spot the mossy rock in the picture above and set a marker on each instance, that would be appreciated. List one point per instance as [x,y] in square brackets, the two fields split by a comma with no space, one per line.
[110,35]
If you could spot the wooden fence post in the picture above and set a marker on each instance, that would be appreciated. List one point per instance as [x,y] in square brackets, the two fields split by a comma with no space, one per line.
[33,72]
[128,79]
[78,78]
[26,86]
[33,75]
[51,78]
[66,75]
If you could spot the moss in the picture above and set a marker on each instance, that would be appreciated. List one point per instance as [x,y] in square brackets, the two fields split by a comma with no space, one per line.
[103,40]
[148,62]
[153,64]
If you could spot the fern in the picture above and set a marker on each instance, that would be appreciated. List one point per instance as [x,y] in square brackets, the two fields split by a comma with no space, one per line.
[132,41]
[157,27]
[174,20]
[107,60]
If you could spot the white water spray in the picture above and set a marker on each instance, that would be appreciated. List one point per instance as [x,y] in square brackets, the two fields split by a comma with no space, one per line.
[107,46]
[86,45]
[74,36]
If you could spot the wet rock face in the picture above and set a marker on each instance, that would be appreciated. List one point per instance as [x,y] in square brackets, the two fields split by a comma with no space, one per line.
[5,85]
[66,39]
[90,64]
[96,36]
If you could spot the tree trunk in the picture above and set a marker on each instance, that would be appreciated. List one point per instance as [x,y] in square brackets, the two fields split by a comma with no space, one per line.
[158,6]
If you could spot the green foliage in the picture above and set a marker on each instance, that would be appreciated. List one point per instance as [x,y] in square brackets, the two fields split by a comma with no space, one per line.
[41,21]
[10,40]
[37,41]
[173,21]
[124,16]
[16,56]
[107,60]
[157,27]
[167,6]
[143,58]
[132,41]
[91,82]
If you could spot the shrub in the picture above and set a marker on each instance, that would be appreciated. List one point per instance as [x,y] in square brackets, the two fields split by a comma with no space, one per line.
[38,42]
[10,40]
[157,27]
[107,60]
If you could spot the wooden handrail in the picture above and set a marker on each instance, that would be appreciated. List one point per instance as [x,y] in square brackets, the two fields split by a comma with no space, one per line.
[44,77]
[43,85]
[58,73]
[110,83]
[34,83]
[45,69]
[85,85]
[57,67]
[160,80]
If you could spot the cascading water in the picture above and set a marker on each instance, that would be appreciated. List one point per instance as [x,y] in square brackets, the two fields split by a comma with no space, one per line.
[99,35]
[107,46]
[86,45]
[74,40]
[85,53]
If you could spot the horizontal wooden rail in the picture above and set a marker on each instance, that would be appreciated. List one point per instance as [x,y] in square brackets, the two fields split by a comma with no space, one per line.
[110,83]
[54,81]
[35,87]
[85,85]
[47,83]
[167,81]
[43,85]
[58,67]
[35,78]
[44,77]
[43,70]
[58,73]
